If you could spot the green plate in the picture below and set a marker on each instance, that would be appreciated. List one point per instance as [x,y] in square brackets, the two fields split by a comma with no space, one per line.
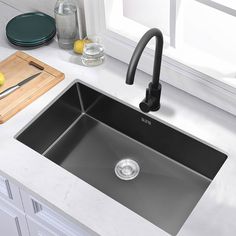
[31,28]
[28,45]
[32,43]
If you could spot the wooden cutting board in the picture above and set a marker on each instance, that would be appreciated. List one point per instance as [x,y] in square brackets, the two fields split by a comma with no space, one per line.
[18,67]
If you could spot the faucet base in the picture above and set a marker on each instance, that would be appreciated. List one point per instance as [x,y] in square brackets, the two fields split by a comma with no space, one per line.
[152,100]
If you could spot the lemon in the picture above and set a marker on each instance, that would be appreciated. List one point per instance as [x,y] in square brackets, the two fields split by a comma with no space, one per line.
[2,79]
[79,45]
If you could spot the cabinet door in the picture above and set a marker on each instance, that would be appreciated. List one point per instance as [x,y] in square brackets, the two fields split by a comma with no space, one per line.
[5,189]
[37,229]
[9,223]
[12,221]
[10,192]
[51,219]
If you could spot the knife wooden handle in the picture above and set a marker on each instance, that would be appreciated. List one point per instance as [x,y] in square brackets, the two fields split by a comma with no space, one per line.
[32,63]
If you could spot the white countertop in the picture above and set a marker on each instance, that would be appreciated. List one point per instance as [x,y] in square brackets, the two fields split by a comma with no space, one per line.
[215,213]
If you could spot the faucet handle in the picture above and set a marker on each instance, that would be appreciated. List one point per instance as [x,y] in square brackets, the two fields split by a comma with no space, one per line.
[147,95]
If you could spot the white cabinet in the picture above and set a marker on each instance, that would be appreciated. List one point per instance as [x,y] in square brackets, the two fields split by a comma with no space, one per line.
[10,192]
[37,229]
[9,223]
[5,189]
[51,219]
[12,221]
[21,214]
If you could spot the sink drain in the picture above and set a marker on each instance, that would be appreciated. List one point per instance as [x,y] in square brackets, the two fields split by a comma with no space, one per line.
[127,169]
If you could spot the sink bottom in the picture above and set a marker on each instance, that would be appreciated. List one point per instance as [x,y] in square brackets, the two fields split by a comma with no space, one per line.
[164,192]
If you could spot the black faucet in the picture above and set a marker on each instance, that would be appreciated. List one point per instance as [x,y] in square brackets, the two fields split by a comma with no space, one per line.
[153,93]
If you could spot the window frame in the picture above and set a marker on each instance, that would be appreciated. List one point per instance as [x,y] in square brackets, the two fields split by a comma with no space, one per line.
[221,7]
[173,72]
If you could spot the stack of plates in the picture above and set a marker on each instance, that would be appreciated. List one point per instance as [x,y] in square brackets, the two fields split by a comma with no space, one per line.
[31,29]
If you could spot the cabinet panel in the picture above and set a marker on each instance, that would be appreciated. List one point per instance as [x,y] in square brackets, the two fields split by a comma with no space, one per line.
[9,223]
[12,221]
[51,219]
[5,189]
[10,192]
[37,229]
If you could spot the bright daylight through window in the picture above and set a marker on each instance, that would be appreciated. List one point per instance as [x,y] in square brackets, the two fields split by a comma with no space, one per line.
[198,33]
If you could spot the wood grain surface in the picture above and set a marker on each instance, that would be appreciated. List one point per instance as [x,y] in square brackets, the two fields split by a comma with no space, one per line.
[18,67]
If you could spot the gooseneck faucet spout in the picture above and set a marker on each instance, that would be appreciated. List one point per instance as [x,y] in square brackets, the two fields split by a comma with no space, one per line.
[153,92]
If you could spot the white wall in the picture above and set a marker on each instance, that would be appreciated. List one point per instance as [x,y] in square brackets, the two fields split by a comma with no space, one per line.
[46,6]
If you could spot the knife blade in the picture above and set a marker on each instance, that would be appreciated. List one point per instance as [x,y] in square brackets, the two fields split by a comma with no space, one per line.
[8,91]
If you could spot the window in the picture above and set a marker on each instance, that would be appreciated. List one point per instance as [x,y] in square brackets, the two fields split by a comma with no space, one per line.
[199,35]
[140,13]
[208,36]
[129,17]
[227,6]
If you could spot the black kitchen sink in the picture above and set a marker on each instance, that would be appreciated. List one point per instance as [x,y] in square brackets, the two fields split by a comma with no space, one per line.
[155,170]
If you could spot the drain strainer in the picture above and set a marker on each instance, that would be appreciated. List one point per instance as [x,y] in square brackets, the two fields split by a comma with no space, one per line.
[127,169]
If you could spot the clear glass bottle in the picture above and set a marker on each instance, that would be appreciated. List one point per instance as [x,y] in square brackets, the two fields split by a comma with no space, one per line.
[66,23]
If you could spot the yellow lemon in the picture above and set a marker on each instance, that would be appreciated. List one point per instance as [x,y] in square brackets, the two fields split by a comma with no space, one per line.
[2,79]
[79,45]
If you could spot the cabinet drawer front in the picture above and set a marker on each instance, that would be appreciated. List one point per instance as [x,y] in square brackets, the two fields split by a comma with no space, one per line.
[9,223]
[37,229]
[12,221]
[10,192]
[5,189]
[52,219]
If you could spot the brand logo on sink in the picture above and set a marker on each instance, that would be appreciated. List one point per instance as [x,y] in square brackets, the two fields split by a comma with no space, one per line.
[146,121]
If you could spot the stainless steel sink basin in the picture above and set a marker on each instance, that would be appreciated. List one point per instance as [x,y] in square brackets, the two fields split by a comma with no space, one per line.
[88,133]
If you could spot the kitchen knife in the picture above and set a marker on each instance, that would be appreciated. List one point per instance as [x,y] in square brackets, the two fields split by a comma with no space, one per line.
[15,87]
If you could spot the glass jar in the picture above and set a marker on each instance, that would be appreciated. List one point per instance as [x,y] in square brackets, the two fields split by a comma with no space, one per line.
[66,23]
[93,52]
